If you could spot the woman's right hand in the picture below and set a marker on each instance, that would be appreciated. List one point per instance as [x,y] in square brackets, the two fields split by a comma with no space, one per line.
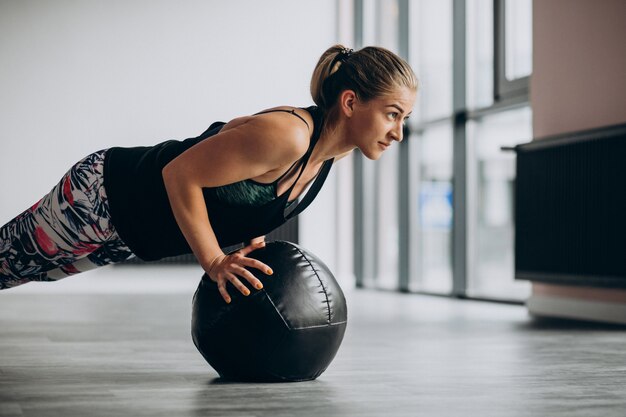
[232,267]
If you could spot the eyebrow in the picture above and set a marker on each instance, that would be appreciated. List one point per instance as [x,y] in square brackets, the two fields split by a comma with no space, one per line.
[398,107]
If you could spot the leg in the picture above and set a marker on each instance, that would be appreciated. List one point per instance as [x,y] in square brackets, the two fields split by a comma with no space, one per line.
[66,231]
[109,253]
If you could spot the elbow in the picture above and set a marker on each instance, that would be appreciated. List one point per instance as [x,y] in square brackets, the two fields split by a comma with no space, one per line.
[178,178]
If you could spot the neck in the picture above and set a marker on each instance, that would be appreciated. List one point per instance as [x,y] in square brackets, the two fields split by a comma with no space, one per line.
[331,144]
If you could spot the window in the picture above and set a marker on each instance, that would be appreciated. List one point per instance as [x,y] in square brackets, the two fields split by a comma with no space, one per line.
[491,179]
[433,246]
[430,54]
[479,54]
[446,225]
[378,226]
[513,31]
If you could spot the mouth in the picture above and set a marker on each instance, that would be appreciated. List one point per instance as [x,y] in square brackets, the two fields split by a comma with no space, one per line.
[384,145]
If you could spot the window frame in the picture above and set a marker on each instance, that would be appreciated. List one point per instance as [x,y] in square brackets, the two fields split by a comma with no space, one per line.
[503,88]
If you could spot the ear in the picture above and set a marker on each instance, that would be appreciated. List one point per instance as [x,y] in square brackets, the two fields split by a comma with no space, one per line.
[347,101]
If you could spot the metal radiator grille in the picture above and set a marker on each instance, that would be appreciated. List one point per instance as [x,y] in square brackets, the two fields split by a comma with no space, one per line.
[571,209]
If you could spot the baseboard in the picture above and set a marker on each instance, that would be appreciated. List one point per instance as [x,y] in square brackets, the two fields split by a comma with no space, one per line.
[570,308]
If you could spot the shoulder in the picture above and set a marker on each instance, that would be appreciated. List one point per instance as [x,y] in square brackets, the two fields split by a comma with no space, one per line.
[287,130]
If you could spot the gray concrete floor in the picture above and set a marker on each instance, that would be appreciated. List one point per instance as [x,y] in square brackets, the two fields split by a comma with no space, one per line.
[117,343]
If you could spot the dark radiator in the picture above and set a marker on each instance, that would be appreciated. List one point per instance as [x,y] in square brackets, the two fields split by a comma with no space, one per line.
[288,232]
[570,209]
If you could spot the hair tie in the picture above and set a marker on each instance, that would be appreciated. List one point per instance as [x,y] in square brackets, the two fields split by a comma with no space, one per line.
[342,57]
[346,53]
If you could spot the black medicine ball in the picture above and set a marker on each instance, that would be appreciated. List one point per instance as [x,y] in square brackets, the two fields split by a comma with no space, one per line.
[288,331]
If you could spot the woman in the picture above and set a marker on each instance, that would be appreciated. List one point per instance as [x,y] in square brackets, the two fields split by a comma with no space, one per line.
[234,183]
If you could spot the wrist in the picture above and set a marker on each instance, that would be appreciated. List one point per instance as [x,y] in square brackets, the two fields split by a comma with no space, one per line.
[211,262]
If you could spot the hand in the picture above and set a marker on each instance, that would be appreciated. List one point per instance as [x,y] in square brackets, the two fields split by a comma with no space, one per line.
[231,267]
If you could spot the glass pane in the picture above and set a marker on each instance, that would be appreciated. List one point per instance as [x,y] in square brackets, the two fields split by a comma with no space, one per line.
[380,23]
[369,22]
[434,226]
[381,28]
[518,38]
[430,32]
[368,230]
[491,176]
[387,31]
[386,215]
[479,53]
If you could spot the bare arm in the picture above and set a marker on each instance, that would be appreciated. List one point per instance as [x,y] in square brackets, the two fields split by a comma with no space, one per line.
[246,151]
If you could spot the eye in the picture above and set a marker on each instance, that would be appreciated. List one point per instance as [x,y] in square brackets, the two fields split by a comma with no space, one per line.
[393,115]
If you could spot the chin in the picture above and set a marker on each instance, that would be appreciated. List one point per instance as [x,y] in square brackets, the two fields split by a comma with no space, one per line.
[372,155]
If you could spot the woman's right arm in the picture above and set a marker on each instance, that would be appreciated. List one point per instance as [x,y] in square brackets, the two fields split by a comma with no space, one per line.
[187,202]
[246,151]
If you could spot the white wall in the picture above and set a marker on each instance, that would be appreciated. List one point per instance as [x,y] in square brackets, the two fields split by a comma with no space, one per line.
[78,76]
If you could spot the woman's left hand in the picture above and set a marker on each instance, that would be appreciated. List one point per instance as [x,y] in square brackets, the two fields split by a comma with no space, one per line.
[233,268]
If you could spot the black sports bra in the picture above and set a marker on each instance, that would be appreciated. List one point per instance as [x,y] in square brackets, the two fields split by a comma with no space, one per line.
[253,192]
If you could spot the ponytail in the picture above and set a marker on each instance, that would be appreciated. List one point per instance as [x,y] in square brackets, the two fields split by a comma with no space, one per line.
[370,72]
[327,65]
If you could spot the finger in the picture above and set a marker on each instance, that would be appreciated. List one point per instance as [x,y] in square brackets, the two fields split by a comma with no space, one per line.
[221,286]
[243,272]
[251,247]
[238,284]
[255,263]
[255,241]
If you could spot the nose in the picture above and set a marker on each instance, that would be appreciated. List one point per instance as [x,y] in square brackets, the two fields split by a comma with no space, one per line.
[398,132]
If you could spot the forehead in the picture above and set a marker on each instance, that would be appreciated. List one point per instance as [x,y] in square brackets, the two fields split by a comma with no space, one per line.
[403,96]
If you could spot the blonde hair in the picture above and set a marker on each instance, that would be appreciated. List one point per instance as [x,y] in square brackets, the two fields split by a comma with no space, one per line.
[370,72]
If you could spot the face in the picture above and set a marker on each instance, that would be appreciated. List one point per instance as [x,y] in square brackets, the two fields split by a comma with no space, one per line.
[377,123]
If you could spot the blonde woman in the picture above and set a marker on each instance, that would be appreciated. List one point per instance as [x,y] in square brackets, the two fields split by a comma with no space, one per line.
[234,183]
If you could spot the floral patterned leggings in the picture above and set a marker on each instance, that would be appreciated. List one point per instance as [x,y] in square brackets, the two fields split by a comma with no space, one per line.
[68,231]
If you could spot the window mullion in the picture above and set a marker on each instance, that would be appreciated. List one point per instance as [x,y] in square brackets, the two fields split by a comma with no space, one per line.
[459,236]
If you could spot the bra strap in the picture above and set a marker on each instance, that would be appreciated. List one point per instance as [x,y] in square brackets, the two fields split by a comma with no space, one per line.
[292,111]
[313,191]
